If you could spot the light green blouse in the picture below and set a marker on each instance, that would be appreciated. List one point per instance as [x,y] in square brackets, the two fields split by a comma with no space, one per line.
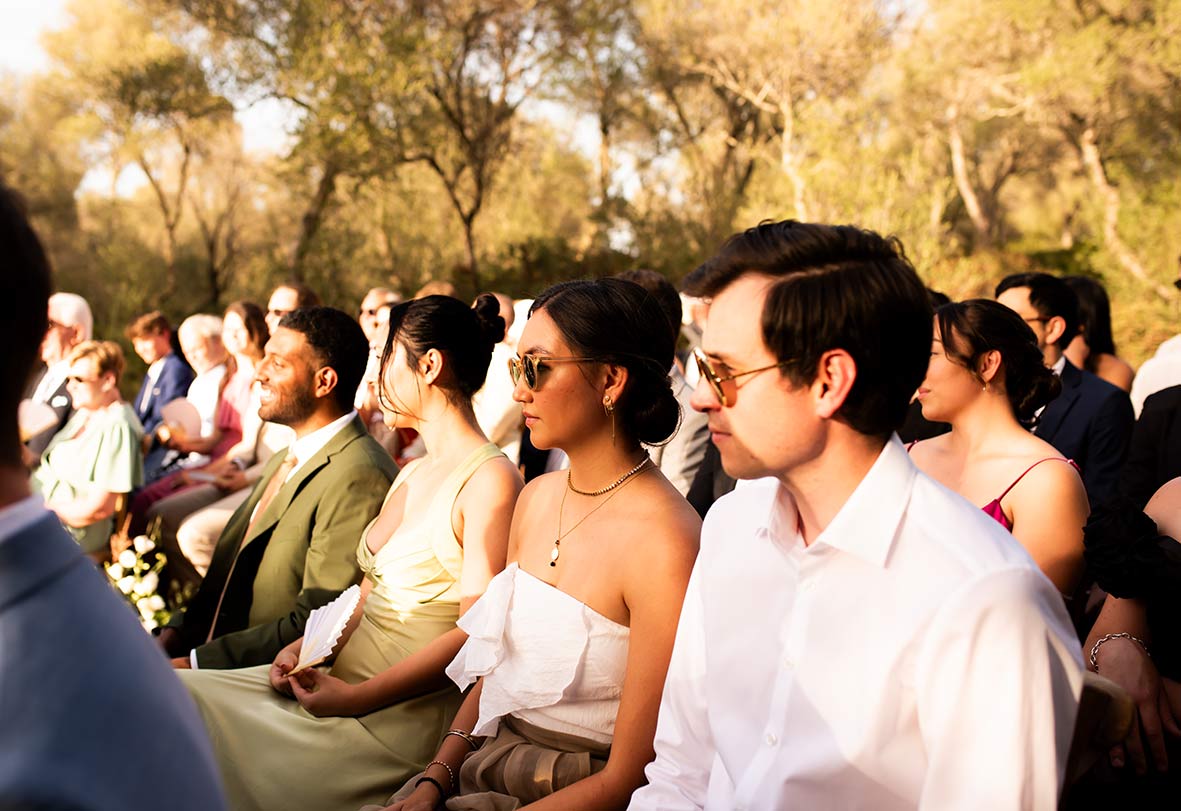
[107,456]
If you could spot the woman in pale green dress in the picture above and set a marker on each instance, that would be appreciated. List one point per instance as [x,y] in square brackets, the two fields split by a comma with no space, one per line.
[96,457]
[339,739]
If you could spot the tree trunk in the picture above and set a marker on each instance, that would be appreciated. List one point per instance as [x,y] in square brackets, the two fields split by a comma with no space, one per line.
[313,216]
[469,242]
[959,169]
[787,159]
[1093,161]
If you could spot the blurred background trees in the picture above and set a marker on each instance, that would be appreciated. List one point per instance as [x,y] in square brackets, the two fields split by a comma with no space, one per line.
[508,144]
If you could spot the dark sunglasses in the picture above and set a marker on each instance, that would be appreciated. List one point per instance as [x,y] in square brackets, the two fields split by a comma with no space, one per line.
[530,367]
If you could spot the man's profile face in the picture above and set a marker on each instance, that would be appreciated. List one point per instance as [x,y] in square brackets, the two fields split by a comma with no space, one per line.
[58,341]
[287,379]
[766,428]
[1017,300]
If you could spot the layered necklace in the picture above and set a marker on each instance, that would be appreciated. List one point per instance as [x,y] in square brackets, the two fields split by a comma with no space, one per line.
[612,488]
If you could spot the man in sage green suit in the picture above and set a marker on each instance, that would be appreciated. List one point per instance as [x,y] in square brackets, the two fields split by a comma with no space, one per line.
[292,545]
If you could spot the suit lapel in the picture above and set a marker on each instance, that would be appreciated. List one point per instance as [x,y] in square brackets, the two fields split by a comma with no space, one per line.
[288,491]
[1055,413]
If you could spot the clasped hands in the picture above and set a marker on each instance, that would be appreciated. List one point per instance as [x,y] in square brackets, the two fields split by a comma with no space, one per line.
[1158,704]
[317,692]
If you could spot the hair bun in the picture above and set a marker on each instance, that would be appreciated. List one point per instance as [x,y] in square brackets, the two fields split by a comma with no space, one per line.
[487,309]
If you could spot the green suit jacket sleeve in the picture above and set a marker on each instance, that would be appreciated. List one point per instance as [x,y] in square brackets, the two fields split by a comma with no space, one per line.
[333,529]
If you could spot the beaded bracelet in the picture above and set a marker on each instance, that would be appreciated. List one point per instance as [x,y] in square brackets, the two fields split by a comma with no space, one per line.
[450,774]
[459,733]
[1094,657]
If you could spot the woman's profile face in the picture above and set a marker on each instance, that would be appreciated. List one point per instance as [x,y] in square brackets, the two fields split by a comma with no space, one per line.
[400,397]
[234,334]
[564,403]
[948,386]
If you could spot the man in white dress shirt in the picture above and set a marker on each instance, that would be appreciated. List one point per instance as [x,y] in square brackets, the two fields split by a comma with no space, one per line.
[854,634]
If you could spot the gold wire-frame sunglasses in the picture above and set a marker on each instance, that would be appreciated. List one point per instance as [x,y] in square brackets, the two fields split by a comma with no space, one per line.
[715,380]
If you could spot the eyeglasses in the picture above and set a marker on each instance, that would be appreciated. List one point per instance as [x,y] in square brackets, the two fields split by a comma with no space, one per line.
[716,380]
[279,313]
[530,366]
[56,325]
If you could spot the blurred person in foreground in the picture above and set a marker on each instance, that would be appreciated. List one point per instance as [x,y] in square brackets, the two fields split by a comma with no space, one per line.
[93,718]
[898,648]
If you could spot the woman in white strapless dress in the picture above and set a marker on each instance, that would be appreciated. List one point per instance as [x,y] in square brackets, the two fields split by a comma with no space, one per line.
[569,645]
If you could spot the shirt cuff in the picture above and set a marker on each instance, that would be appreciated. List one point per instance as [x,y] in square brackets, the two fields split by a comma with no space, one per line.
[193,659]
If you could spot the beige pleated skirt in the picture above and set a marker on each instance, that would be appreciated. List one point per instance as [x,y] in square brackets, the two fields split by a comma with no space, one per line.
[521,764]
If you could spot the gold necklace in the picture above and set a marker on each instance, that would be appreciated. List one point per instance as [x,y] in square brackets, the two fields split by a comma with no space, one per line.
[556,551]
[610,487]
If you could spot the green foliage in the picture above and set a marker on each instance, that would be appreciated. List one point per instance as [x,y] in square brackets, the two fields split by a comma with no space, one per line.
[446,139]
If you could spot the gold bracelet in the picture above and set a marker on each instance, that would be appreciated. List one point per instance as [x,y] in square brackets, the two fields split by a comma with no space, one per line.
[450,775]
[467,736]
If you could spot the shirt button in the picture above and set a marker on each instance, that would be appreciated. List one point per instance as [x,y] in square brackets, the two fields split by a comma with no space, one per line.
[771,739]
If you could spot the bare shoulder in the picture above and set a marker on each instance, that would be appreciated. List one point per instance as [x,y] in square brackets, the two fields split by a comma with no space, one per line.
[497,475]
[1165,508]
[926,451]
[663,529]
[1116,371]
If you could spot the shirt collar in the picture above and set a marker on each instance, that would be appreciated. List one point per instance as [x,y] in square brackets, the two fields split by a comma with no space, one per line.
[308,446]
[867,523]
[155,369]
[1059,365]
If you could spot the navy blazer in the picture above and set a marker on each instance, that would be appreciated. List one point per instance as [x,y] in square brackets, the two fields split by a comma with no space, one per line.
[93,716]
[174,381]
[1091,423]
[1154,456]
[63,407]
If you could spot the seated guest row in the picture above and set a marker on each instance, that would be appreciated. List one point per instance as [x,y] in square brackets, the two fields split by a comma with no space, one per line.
[846,627]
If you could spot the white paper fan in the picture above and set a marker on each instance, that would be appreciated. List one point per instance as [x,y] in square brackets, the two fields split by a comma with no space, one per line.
[34,418]
[324,627]
[181,413]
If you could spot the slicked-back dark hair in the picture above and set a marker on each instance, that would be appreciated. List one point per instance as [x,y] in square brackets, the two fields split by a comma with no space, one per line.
[1050,296]
[25,283]
[837,287]
[338,342]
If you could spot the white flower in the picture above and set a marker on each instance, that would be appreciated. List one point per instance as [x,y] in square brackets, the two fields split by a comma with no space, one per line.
[145,610]
[147,584]
[115,571]
[149,624]
[156,602]
[126,584]
[144,544]
[127,558]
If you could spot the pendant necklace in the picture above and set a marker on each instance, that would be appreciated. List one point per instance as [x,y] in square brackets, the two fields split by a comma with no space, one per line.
[612,488]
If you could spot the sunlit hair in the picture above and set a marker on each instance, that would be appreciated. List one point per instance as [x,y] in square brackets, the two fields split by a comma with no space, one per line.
[255,321]
[149,325]
[107,357]
[202,326]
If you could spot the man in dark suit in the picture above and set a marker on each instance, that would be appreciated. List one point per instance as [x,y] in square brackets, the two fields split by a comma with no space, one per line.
[292,545]
[168,378]
[70,323]
[92,717]
[1091,420]
[1154,456]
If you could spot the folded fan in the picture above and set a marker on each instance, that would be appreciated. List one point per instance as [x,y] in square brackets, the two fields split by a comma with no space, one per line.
[324,627]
